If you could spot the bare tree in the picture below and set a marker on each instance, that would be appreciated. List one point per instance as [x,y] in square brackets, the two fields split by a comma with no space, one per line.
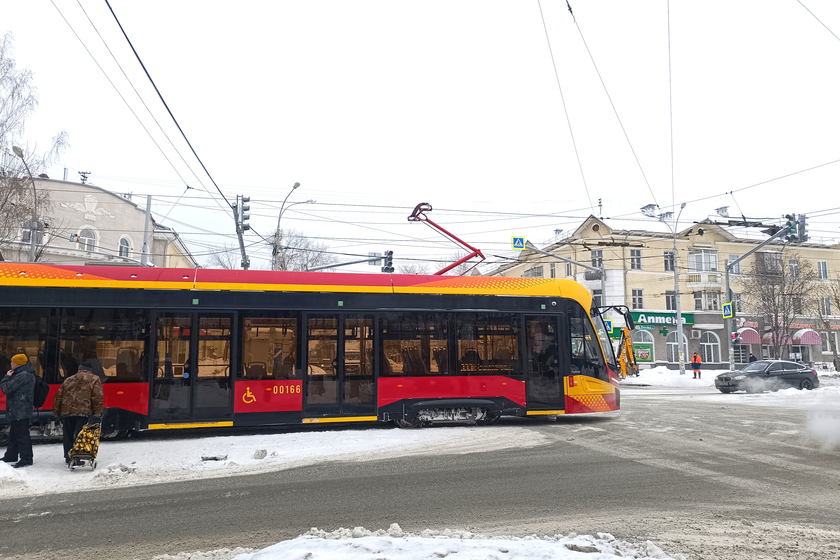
[414,268]
[779,286]
[298,252]
[19,198]
[226,257]
[826,301]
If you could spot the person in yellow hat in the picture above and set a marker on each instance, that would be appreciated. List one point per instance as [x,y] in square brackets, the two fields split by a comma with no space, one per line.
[19,387]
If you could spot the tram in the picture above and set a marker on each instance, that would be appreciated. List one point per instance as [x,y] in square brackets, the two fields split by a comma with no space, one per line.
[186,348]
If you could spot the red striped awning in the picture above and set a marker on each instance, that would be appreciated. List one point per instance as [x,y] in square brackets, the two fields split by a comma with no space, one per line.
[749,336]
[773,338]
[806,336]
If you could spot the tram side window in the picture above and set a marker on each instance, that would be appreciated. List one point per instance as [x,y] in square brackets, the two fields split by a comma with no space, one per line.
[414,344]
[587,358]
[488,344]
[115,341]
[269,348]
[24,331]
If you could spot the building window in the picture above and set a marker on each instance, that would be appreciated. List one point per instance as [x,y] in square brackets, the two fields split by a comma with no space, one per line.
[673,347]
[706,301]
[709,347]
[125,247]
[597,256]
[736,268]
[670,265]
[568,270]
[670,300]
[822,269]
[551,271]
[535,272]
[635,259]
[768,263]
[738,302]
[597,298]
[87,240]
[796,304]
[825,306]
[638,299]
[26,232]
[793,268]
[702,260]
[826,337]
[742,352]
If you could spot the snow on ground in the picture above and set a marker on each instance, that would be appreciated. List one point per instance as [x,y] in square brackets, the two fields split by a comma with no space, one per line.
[822,404]
[153,461]
[394,544]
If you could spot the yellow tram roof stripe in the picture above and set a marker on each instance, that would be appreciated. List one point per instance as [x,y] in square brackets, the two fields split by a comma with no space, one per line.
[340,419]
[545,412]
[191,425]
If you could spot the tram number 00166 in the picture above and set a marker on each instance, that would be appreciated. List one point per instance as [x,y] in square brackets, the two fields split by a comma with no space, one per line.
[285,389]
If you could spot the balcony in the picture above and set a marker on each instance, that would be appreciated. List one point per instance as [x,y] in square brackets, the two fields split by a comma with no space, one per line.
[703,279]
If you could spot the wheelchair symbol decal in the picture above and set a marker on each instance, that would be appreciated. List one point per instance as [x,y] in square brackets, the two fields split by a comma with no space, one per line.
[248,397]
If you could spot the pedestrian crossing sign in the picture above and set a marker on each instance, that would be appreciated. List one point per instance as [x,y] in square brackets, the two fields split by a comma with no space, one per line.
[608,325]
[518,243]
[727,311]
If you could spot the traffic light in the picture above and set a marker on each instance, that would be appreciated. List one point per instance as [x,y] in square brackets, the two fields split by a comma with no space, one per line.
[791,228]
[735,338]
[389,262]
[242,217]
[802,230]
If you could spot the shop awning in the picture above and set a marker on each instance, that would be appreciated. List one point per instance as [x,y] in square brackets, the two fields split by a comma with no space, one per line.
[806,336]
[769,338]
[749,336]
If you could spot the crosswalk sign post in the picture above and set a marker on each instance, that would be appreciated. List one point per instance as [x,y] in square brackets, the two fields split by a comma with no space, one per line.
[518,243]
[727,310]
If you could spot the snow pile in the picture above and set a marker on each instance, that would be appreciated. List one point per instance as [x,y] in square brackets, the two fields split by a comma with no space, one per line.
[150,460]
[661,376]
[394,544]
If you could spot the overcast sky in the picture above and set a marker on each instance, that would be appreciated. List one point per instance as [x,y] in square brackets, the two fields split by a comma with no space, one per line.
[377,106]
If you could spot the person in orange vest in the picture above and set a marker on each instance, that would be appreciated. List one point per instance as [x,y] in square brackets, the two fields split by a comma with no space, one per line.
[695,363]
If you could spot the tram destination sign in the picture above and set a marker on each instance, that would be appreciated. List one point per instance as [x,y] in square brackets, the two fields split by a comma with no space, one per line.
[647,320]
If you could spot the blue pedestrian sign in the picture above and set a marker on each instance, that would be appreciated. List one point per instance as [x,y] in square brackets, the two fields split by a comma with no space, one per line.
[608,325]
[518,243]
[727,310]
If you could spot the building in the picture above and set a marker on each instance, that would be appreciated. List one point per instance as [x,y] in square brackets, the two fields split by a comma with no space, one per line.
[639,269]
[89,225]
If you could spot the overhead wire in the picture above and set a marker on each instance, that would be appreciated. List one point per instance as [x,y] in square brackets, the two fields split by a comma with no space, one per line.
[165,104]
[140,97]
[565,111]
[615,111]
[818,19]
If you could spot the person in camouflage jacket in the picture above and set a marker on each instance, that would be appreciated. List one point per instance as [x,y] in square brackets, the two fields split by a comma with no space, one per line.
[19,387]
[78,398]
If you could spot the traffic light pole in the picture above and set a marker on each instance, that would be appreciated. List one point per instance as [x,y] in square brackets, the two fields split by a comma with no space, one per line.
[728,266]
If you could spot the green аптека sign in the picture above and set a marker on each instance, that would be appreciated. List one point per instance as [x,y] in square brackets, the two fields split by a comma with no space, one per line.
[642,318]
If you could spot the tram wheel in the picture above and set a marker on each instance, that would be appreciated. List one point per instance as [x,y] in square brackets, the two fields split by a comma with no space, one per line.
[408,424]
[489,419]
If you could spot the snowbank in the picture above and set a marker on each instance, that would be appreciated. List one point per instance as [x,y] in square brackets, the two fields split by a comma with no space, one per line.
[394,544]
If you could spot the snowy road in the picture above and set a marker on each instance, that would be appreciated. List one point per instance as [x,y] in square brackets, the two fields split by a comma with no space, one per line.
[696,472]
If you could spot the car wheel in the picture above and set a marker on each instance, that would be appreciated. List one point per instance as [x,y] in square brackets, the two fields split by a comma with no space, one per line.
[806,384]
[726,390]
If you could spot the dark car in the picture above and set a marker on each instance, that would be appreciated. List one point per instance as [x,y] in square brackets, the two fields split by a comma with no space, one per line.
[767,375]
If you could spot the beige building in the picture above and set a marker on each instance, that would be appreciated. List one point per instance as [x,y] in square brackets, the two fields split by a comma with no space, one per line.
[89,225]
[639,265]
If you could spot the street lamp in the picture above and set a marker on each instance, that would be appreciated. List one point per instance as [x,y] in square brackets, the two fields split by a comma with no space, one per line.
[648,211]
[283,208]
[33,227]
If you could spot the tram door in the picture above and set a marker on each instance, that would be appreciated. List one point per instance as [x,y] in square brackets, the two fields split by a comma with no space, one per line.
[544,380]
[192,368]
[340,380]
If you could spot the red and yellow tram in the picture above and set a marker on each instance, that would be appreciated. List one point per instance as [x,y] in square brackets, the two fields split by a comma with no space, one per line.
[182,348]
